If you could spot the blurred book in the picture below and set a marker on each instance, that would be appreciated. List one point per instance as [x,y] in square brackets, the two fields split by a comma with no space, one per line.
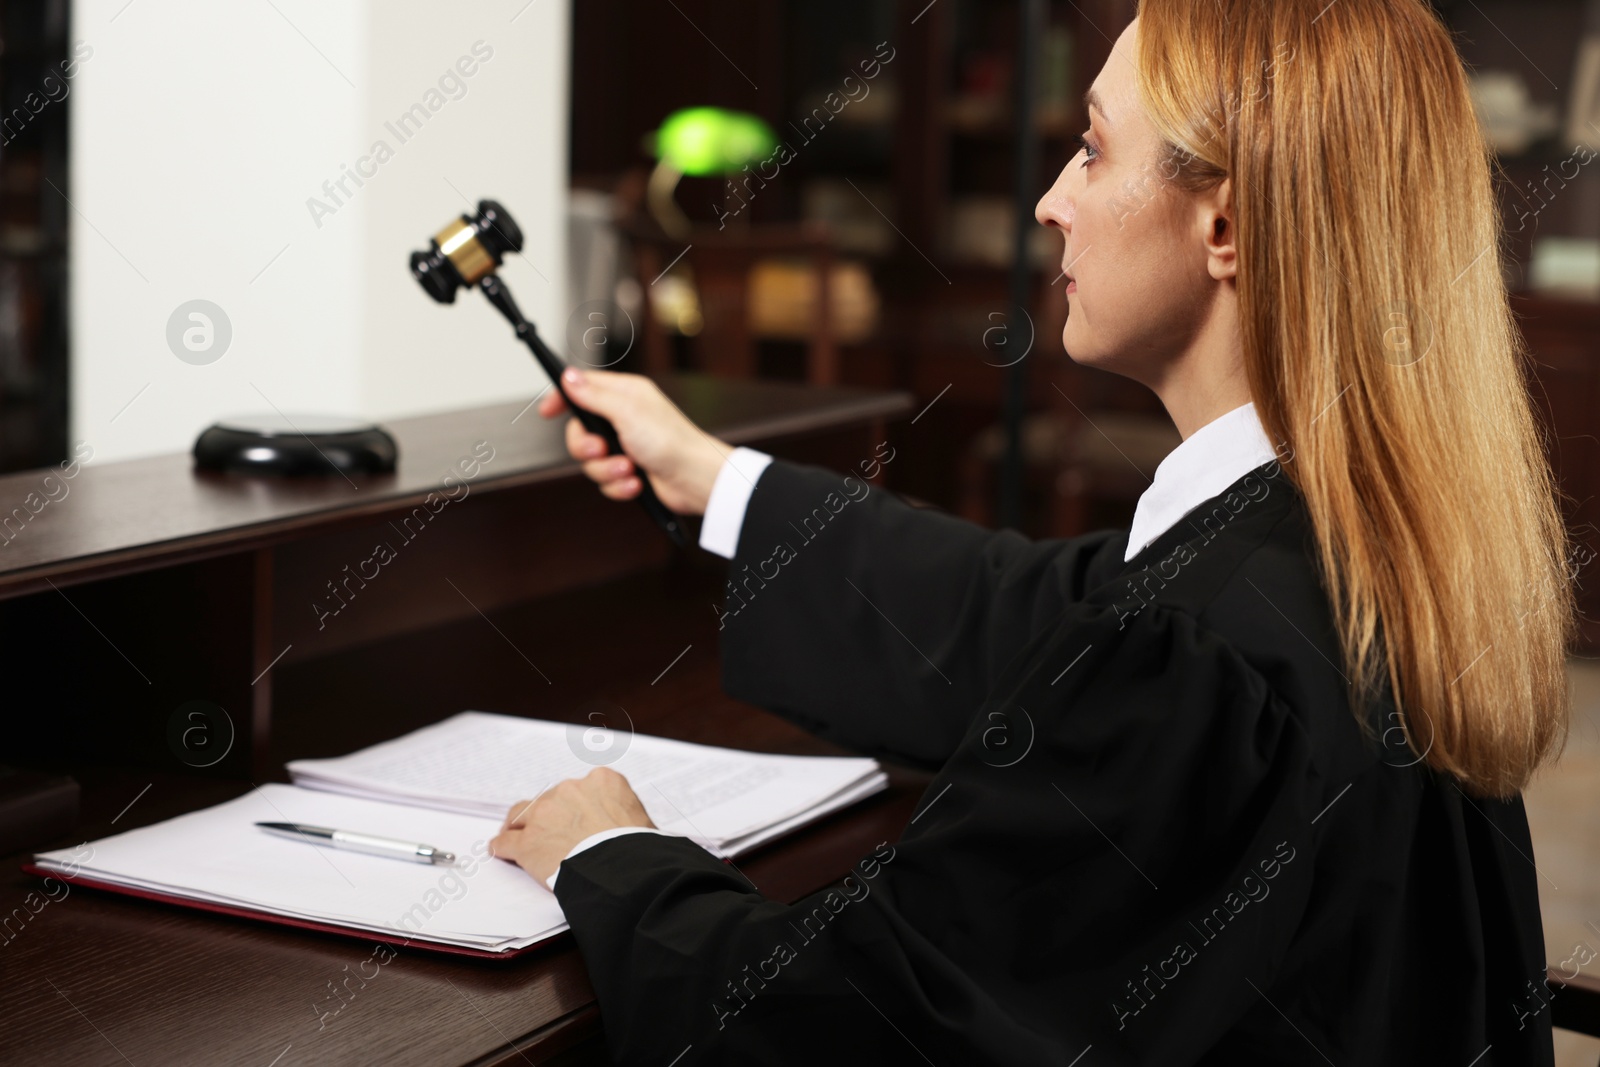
[1583,107]
[983,230]
[851,213]
[1566,266]
[783,300]
[1511,119]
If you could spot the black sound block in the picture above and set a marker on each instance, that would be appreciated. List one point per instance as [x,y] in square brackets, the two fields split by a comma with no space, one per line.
[302,445]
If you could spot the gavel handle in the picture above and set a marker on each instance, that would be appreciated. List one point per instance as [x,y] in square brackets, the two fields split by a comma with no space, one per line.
[599,425]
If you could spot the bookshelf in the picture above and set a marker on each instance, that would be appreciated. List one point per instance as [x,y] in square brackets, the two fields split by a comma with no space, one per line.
[915,177]
[1545,193]
[911,181]
[35,92]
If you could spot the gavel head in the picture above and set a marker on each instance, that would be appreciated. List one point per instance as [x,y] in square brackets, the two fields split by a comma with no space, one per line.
[466,251]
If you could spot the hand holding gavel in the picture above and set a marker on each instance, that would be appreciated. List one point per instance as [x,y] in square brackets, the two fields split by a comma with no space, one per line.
[657,439]
[679,461]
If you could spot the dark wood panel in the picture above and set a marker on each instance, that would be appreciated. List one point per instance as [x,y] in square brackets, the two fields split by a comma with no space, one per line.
[1563,339]
[98,661]
[154,668]
[481,553]
[165,985]
[121,517]
[485,552]
[103,664]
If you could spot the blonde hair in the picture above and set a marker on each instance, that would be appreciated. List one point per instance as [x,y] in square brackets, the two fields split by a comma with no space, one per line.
[1380,346]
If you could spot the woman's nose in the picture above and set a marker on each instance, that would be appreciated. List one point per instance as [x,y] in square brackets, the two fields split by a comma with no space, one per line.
[1056,206]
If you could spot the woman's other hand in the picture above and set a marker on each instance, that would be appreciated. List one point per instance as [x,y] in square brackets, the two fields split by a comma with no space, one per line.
[537,834]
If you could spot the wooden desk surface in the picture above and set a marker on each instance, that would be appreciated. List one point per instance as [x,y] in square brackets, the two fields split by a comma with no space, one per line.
[96,978]
[93,978]
[118,518]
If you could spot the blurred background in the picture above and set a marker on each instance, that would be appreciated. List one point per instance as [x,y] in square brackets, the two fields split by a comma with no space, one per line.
[835,200]
[822,191]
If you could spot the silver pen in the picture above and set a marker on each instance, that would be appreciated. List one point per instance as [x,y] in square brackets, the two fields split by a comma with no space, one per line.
[351,841]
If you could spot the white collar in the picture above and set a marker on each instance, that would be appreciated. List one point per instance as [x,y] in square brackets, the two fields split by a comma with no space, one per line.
[1213,458]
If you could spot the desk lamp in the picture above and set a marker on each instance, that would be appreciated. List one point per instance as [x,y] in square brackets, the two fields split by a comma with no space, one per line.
[702,142]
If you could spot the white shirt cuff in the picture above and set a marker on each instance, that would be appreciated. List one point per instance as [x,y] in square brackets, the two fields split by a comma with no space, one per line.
[595,839]
[730,497]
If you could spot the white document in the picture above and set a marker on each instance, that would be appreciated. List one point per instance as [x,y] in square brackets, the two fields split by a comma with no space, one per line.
[449,785]
[219,855]
[726,800]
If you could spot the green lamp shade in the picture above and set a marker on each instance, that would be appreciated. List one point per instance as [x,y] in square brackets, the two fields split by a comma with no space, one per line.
[711,141]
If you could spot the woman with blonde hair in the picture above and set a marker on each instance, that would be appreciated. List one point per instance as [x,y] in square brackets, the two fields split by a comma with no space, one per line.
[1240,784]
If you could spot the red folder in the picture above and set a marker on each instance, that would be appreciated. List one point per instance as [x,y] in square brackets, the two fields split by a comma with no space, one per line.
[286,920]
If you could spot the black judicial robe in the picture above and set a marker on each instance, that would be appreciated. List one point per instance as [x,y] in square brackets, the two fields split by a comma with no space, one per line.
[1158,835]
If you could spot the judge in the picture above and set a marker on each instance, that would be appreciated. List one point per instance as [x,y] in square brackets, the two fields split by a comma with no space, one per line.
[1238,785]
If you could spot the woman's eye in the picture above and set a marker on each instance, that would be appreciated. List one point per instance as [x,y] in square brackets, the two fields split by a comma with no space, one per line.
[1091,152]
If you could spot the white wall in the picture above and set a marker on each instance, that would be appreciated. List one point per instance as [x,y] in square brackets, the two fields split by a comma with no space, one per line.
[200,131]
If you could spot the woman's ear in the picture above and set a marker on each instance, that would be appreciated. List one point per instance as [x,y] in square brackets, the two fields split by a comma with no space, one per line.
[1216,215]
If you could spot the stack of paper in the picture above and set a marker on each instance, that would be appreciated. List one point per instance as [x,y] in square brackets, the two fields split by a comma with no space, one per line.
[449,786]
[477,763]
[217,856]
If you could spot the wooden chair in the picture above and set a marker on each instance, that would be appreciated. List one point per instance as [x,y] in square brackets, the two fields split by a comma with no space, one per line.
[1574,1003]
